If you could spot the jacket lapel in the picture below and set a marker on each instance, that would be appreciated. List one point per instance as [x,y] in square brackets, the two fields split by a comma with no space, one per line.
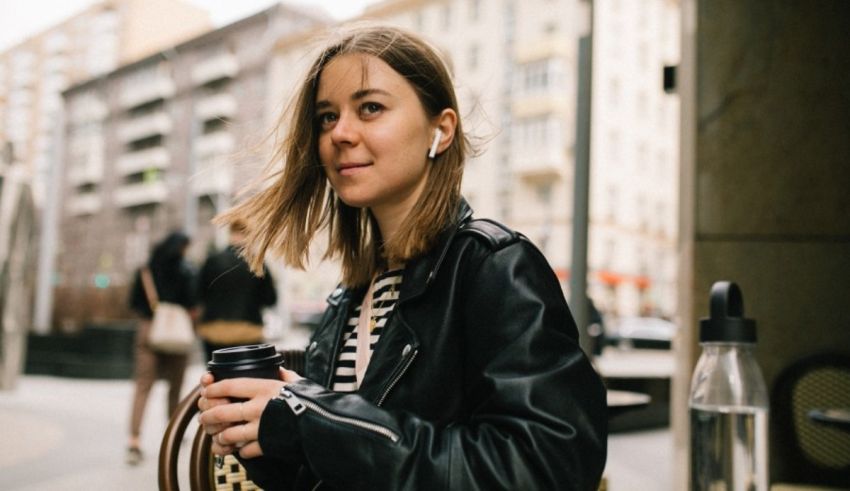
[399,343]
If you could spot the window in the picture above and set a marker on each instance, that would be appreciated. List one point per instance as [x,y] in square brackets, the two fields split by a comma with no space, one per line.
[473,57]
[544,194]
[541,76]
[537,133]
[612,196]
[447,17]
[474,10]
[614,92]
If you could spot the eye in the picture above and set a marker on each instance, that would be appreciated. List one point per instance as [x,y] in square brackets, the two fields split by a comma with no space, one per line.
[370,109]
[326,119]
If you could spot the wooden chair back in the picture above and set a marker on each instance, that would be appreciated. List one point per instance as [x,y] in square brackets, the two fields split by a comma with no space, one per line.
[203,475]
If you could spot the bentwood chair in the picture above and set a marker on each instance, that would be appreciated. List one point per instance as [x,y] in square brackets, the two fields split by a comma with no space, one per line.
[202,473]
[806,452]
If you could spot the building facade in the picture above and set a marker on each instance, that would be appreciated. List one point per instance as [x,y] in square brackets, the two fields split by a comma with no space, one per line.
[99,39]
[515,66]
[157,145]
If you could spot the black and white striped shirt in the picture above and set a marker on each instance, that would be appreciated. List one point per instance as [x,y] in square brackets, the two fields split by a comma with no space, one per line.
[384,298]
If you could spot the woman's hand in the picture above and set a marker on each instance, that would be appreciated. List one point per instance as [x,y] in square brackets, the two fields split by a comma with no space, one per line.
[235,425]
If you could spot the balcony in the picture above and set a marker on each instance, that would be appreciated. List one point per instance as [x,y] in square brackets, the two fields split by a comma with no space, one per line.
[89,172]
[215,68]
[144,126]
[138,94]
[531,105]
[546,164]
[214,144]
[141,193]
[541,49]
[84,204]
[216,106]
[135,162]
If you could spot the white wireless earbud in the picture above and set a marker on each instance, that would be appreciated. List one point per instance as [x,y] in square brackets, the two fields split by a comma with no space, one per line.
[433,151]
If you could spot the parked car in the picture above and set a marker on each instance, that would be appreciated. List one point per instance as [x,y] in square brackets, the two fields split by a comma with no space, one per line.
[640,332]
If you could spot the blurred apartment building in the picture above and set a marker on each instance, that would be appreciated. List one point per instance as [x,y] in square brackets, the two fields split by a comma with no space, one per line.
[160,144]
[165,142]
[515,64]
[99,39]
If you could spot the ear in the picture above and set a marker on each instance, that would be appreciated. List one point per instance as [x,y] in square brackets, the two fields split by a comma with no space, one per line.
[446,123]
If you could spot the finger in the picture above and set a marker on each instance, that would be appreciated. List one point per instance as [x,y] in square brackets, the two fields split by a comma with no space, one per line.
[205,403]
[222,449]
[207,379]
[222,414]
[251,450]
[289,376]
[237,435]
[213,429]
[243,388]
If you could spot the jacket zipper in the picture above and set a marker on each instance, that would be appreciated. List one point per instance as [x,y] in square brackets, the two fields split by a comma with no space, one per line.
[298,406]
[395,379]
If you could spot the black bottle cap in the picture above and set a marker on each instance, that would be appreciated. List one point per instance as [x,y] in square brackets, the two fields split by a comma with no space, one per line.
[726,322]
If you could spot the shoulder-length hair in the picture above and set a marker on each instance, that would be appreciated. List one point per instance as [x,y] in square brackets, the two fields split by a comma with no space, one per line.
[295,203]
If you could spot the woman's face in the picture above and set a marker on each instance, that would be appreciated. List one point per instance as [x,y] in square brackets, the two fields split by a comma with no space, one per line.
[374,134]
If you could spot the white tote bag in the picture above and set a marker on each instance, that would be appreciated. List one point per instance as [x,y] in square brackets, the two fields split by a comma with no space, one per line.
[171,329]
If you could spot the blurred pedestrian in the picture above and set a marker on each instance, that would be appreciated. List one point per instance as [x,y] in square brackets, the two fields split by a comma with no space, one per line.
[448,358]
[232,297]
[174,280]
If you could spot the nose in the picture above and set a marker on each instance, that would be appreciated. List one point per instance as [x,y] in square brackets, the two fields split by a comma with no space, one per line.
[346,130]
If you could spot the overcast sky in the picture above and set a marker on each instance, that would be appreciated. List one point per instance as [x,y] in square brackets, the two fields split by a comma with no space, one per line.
[20,19]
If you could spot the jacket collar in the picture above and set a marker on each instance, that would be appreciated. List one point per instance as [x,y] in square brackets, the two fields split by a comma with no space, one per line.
[420,271]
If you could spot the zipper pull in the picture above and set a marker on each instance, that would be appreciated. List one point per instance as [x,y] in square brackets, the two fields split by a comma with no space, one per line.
[291,401]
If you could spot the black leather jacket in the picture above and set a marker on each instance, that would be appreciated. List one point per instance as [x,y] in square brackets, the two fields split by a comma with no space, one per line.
[477,383]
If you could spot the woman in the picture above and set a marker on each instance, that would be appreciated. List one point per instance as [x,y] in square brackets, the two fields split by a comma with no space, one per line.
[174,281]
[472,376]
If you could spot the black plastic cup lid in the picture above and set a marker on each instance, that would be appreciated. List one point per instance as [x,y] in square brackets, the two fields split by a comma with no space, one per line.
[244,358]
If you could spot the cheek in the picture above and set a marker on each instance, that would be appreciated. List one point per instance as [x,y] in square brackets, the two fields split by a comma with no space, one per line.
[325,151]
[400,140]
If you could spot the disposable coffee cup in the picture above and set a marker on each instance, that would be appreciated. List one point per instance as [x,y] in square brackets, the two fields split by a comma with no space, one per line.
[253,360]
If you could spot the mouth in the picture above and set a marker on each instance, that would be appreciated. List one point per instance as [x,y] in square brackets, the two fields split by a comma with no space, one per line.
[349,168]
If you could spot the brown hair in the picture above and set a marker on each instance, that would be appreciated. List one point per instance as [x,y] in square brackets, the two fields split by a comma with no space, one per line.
[283,217]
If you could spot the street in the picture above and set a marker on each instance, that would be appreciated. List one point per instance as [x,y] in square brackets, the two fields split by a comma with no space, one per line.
[70,434]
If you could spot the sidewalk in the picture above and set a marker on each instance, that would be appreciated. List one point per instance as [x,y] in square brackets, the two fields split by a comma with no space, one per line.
[70,434]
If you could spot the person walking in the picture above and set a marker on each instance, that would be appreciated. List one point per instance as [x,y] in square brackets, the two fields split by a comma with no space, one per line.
[232,297]
[174,281]
[447,358]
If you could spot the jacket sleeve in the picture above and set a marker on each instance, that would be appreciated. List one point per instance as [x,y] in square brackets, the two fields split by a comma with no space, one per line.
[539,419]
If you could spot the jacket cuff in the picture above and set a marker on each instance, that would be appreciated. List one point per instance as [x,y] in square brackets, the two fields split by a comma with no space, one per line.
[278,432]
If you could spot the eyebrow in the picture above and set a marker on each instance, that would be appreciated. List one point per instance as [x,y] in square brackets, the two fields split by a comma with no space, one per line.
[360,94]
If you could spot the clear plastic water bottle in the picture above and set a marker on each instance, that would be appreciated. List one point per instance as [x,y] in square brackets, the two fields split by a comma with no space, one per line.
[728,402]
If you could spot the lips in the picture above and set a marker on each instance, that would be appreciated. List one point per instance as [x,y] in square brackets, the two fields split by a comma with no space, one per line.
[349,168]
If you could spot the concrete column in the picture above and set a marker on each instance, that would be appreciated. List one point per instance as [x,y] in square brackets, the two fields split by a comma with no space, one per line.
[765,152]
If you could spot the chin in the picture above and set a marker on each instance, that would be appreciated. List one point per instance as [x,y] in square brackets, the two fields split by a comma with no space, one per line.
[354,201]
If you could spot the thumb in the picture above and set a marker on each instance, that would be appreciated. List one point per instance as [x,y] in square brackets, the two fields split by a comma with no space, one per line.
[289,376]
